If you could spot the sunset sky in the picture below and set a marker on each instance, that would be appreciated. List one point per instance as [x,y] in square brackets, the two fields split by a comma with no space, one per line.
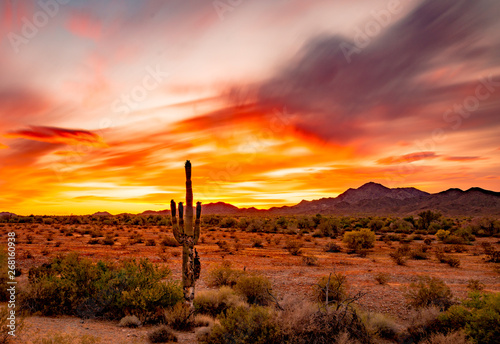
[273,101]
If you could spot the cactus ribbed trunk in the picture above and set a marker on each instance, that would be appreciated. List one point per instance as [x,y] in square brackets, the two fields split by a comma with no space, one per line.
[187,235]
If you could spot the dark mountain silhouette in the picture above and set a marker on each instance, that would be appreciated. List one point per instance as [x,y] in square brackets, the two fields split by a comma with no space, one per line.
[375,199]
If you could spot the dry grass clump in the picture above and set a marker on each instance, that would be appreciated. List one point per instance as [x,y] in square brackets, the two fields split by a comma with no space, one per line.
[162,334]
[129,321]
[215,302]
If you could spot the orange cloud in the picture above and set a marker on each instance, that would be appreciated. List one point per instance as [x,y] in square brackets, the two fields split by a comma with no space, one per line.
[407,158]
[463,158]
[59,135]
[2,146]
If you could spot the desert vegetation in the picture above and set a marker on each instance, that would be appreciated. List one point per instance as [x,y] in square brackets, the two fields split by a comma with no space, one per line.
[293,279]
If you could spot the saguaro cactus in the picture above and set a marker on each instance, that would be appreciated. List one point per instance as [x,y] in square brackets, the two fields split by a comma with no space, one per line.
[187,235]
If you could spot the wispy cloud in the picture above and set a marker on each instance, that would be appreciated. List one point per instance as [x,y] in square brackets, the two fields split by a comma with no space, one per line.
[58,135]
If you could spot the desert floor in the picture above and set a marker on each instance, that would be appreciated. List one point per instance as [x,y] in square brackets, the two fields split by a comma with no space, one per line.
[288,273]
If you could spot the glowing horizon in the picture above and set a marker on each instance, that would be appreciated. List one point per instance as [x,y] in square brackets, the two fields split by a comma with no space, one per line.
[272,101]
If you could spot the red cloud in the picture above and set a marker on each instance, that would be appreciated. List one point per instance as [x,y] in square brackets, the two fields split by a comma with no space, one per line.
[59,135]
[408,158]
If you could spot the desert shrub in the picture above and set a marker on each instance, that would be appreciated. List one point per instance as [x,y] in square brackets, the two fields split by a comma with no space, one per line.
[75,286]
[254,325]
[307,324]
[294,247]
[169,241]
[419,253]
[223,246]
[337,288]
[442,234]
[255,289]
[475,285]
[327,228]
[459,248]
[223,275]
[454,240]
[380,325]
[426,218]
[446,259]
[129,321]
[401,226]
[429,291]
[423,323]
[332,247]
[479,316]
[454,262]
[228,222]
[398,257]
[162,334]
[359,240]
[382,278]
[310,260]
[215,302]
[257,242]
[65,338]
[151,242]
[180,317]
[427,241]
[457,337]
[492,255]
[108,240]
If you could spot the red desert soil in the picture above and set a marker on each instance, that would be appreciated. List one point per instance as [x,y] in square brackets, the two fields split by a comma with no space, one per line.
[289,275]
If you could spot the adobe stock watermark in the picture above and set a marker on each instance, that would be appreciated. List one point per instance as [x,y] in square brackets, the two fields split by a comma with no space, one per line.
[276,125]
[364,35]
[454,117]
[31,26]
[129,101]
[223,7]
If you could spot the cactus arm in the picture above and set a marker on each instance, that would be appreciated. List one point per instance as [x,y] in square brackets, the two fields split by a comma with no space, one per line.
[197,223]
[181,216]
[175,226]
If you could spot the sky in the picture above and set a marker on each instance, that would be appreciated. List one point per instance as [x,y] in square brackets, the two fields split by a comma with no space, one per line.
[272,101]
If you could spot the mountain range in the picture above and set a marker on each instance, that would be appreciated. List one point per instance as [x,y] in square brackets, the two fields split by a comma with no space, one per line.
[376,199]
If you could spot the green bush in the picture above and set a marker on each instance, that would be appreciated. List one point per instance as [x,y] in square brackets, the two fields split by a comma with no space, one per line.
[75,286]
[215,302]
[223,275]
[359,240]
[255,289]
[442,234]
[479,315]
[429,291]
[242,325]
